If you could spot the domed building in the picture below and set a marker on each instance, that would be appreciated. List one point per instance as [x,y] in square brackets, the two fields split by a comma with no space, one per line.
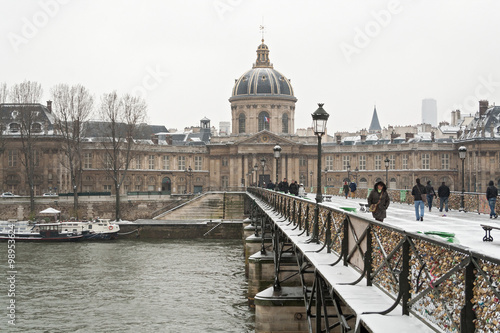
[262,99]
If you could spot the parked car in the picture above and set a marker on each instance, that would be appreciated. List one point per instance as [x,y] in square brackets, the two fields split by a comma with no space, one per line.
[8,195]
[49,194]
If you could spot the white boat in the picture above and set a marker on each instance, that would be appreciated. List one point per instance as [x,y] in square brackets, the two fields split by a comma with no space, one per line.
[99,229]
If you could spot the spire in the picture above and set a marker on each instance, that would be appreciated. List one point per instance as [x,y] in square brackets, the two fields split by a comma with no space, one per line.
[375,124]
[262,57]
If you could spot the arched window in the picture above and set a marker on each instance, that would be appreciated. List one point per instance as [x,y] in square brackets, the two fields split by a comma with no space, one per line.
[36,127]
[363,183]
[284,123]
[263,121]
[14,127]
[242,123]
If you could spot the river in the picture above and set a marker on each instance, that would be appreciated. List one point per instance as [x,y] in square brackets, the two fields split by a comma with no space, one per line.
[128,286]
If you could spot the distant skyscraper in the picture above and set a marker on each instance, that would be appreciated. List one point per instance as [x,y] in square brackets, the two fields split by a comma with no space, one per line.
[429,111]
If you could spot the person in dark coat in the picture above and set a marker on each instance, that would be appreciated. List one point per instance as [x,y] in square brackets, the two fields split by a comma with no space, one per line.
[443,194]
[430,194]
[418,191]
[346,189]
[353,187]
[294,188]
[270,185]
[491,196]
[379,197]
[283,186]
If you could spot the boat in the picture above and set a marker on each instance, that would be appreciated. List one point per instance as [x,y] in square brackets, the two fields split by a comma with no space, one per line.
[40,232]
[99,229]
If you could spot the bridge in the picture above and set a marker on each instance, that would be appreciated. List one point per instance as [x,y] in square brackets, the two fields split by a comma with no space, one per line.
[350,273]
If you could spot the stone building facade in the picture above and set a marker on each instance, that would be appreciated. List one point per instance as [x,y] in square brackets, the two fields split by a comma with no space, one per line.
[262,108]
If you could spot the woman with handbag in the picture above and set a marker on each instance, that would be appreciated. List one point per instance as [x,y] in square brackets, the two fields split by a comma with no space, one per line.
[419,198]
[378,201]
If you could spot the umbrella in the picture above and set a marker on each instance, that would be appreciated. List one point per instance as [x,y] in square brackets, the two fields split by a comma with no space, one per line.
[50,210]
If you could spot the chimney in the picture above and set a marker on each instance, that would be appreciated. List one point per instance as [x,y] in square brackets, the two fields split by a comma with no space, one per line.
[408,136]
[433,139]
[168,139]
[492,133]
[339,139]
[393,136]
[483,106]
[154,138]
[363,135]
[49,106]
[453,118]
[459,117]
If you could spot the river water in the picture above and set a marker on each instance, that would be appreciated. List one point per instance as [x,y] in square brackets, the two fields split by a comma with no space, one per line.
[128,286]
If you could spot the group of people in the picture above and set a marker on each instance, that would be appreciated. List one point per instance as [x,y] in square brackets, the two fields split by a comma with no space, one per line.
[379,200]
[349,188]
[292,188]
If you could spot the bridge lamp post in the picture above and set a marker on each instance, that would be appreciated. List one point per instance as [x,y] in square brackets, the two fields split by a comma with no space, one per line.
[277,154]
[386,161]
[462,153]
[320,118]
[356,174]
[348,172]
[256,168]
[263,163]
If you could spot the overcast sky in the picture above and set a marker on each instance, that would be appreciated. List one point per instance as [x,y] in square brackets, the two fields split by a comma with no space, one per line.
[184,56]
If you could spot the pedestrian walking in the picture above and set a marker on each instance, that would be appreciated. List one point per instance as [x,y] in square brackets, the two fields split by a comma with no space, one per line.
[270,185]
[379,197]
[430,194]
[443,194]
[491,196]
[346,189]
[352,188]
[283,186]
[418,192]
[294,188]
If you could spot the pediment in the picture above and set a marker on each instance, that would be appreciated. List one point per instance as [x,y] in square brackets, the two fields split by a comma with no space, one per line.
[265,137]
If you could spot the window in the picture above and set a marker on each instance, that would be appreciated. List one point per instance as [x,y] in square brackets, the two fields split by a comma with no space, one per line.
[151,188]
[151,162]
[302,161]
[198,163]
[329,162]
[392,162]
[36,158]
[378,162]
[138,162]
[284,123]
[107,188]
[426,161]
[362,162]
[181,163]
[241,123]
[87,160]
[264,121]
[224,161]
[36,128]
[345,162]
[166,162]
[225,182]
[14,127]
[404,161]
[138,187]
[108,164]
[445,161]
[13,158]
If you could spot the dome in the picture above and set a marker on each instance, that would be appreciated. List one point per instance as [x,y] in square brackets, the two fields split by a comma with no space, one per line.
[262,80]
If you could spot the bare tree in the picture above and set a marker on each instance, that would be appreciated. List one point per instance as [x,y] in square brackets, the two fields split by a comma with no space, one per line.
[3,92]
[3,99]
[26,94]
[72,108]
[123,117]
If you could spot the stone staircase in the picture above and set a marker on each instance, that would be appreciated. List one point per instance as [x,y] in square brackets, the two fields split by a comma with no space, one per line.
[209,206]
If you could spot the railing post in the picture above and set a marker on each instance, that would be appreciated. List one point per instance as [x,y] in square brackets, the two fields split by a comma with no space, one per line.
[467,314]
[368,256]
[345,240]
[328,233]
[404,282]
[306,222]
[262,234]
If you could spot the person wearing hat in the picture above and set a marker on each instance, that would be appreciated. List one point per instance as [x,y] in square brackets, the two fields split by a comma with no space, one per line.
[302,191]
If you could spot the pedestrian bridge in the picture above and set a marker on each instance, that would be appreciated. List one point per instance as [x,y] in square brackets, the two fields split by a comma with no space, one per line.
[350,273]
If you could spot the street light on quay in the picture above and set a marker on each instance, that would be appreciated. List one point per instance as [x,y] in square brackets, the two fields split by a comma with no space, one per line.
[256,168]
[356,174]
[348,173]
[462,153]
[386,161]
[320,118]
[277,154]
[263,163]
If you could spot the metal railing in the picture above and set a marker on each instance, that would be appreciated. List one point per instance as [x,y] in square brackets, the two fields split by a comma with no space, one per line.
[451,286]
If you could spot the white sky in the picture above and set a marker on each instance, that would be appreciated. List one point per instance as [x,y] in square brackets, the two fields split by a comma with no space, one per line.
[446,50]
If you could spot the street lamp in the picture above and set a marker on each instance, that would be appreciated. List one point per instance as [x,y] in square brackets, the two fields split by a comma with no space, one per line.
[277,153]
[348,172]
[256,168]
[386,161]
[356,174]
[462,153]
[189,174]
[263,163]
[320,117]
[311,173]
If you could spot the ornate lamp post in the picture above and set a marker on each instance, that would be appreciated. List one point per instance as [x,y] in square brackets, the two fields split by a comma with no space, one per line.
[320,117]
[263,163]
[277,153]
[189,174]
[311,173]
[356,174]
[348,173]
[386,161]
[462,153]
[256,168]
